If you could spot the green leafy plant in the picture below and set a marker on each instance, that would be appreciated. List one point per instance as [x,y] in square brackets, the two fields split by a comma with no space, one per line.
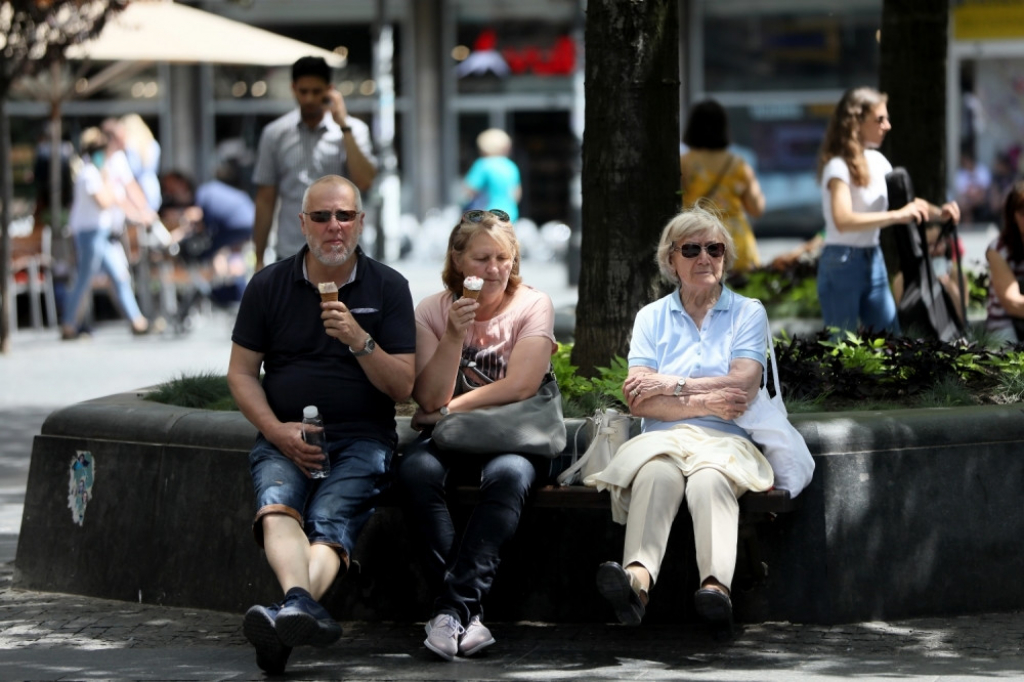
[570,384]
[823,372]
[609,380]
[789,292]
[582,396]
[866,355]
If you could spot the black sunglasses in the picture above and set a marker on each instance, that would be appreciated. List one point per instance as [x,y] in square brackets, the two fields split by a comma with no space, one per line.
[716,250]
[325,216]
[477,216]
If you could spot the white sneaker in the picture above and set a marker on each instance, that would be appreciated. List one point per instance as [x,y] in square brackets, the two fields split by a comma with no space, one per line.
[443,633]
[477,638]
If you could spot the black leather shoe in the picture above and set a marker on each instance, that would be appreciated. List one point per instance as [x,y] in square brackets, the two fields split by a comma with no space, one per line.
[614,585]
[713,605]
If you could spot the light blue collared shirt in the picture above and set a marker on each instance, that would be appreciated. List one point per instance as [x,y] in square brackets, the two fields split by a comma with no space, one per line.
[666,339]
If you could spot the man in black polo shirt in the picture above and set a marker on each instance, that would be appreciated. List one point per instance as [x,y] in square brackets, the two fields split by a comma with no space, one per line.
[352,358]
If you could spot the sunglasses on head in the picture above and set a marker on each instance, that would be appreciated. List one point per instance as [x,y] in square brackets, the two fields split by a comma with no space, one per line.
[477,216]
[716,250]
[325,216]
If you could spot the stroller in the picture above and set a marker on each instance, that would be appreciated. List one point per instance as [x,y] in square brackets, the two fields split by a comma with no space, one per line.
[926,306]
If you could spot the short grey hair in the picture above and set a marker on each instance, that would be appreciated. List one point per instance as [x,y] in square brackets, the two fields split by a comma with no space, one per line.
[692,221]
[333,180]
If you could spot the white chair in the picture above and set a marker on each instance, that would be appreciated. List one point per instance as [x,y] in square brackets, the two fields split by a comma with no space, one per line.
[32,275]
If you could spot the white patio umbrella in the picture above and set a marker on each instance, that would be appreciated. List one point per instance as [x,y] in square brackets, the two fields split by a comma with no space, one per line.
[164,31]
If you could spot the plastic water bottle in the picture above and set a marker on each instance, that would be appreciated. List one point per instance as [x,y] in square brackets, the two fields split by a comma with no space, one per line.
[313,433]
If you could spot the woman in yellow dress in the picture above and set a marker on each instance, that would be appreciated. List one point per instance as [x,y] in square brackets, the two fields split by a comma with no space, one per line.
[710,171]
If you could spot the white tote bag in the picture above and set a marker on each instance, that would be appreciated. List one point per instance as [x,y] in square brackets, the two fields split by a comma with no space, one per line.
[767,423]
[609,430]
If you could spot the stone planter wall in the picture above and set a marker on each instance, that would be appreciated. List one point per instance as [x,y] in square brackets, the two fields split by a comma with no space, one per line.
[910,513]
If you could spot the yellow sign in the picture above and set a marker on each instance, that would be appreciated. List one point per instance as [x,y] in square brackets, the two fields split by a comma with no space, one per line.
[989,20]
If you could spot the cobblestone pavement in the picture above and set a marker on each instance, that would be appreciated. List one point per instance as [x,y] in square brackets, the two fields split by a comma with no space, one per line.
[46,636]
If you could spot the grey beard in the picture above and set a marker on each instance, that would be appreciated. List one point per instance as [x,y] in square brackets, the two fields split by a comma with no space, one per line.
[332,258]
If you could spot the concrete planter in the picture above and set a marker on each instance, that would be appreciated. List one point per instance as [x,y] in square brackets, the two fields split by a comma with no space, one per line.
[910,513]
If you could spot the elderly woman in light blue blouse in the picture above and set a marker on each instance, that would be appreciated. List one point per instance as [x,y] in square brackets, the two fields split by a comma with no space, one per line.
[695,363]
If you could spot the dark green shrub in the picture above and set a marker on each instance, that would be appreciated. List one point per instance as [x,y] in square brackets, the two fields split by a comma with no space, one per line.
[206,390]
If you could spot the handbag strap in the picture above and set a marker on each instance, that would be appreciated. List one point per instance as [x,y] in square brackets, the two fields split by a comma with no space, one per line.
[568,476]
[721,174]
[771,354]
[775,364]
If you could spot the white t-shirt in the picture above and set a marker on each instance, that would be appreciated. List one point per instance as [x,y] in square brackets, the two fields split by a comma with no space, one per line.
[119,175]
[870,199]
[86,215]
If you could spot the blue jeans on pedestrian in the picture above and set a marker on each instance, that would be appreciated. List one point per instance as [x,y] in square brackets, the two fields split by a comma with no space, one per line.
[95,253]
[332,510]
[461,570]
[853,285]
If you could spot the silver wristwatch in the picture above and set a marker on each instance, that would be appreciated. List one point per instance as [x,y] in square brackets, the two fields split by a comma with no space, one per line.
[679,387]
[368,347]
[444,411]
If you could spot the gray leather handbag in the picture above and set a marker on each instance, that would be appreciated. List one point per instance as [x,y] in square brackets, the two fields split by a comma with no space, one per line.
[528,427]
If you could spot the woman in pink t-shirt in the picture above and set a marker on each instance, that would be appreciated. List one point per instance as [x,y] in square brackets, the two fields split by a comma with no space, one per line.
[501,343]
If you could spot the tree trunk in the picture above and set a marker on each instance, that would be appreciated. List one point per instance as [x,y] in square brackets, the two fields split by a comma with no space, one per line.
[630,167]
[913,72]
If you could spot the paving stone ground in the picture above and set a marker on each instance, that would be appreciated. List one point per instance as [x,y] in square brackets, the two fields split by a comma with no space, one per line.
[48,636]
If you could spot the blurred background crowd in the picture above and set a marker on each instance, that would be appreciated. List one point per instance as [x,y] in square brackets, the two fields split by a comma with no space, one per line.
[430,78]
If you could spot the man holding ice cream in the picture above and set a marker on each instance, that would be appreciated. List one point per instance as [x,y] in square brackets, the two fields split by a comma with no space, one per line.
[347,347]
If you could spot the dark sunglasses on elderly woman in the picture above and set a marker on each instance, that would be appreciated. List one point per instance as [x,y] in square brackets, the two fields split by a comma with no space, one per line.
[716,250]
[477,216]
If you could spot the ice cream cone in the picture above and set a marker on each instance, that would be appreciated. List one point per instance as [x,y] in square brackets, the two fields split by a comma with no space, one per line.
[328,291]
[471,287]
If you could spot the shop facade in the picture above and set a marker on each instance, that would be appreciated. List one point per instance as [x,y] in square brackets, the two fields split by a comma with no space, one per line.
[429,75]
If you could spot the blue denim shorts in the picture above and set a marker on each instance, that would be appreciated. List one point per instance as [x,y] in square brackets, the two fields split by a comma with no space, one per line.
[331,511]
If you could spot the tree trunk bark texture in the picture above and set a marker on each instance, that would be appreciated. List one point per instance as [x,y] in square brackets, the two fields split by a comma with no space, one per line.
[913,72]
[630,167]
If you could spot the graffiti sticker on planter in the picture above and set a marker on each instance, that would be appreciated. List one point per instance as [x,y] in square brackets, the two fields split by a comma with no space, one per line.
[83,470]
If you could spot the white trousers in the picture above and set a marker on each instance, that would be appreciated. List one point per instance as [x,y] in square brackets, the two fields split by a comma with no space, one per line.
[657,493]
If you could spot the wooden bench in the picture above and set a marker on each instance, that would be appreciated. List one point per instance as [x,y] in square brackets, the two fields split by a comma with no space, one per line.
[756,509]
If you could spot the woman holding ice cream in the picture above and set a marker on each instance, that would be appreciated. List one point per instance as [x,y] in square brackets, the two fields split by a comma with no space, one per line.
[488,332]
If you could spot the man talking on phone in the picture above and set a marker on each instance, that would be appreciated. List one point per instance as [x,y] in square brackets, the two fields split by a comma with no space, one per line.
[318,138]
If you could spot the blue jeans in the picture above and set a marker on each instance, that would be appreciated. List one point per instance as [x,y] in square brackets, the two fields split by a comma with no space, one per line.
[95,252]
[332,510]
[853,285]
[461,570]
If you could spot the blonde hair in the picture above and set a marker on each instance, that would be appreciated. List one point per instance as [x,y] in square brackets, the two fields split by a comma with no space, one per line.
[92,140]
[692,221]
[501,232]
[494,142]
[842,138]
[138,137]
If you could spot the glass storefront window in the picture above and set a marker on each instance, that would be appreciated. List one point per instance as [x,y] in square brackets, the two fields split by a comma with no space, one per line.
[800,47]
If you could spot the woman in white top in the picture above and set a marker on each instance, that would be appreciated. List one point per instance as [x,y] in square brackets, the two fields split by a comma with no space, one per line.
[853,285]
[98,202]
